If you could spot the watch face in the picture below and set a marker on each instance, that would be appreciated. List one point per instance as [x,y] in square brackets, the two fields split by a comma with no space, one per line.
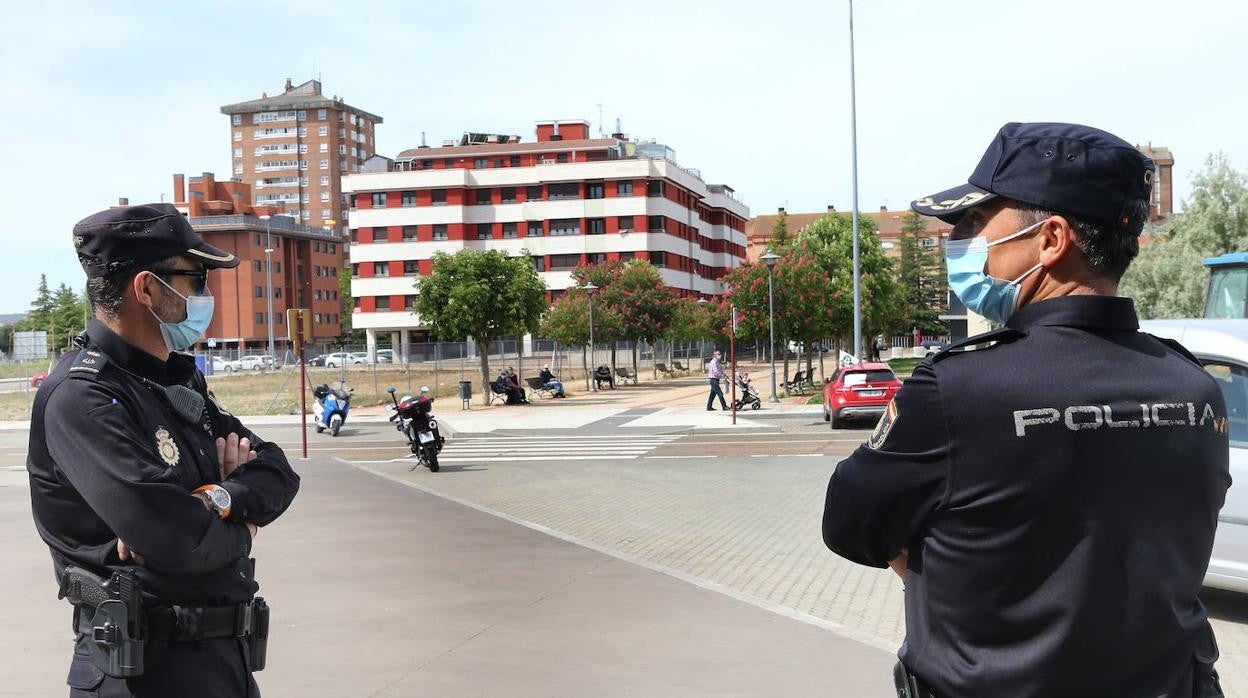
[220,498]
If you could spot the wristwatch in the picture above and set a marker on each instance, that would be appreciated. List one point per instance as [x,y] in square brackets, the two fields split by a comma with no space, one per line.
[217,497]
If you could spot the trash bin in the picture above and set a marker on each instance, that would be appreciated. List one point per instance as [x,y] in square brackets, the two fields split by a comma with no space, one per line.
[465,391]
[203,364]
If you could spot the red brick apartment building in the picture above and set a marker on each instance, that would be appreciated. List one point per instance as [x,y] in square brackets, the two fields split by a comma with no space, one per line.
[566,198]
[304,260]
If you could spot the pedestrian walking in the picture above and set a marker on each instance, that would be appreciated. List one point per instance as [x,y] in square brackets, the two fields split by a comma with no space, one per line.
[715,371]
[139,479]
[1048,491]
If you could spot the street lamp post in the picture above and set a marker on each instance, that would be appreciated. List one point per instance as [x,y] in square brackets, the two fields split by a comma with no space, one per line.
[770,260]
[589,291]
[268,273]
[702,340]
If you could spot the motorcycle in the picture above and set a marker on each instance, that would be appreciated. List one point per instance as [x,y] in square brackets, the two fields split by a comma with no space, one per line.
[331,408]
[413,417]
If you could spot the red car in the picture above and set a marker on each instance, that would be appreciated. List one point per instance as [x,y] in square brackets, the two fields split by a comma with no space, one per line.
[858,390]
[38,379]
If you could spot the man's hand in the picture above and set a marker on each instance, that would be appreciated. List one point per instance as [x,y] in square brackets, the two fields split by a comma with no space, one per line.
[233,452]
[898,564]
[127,555]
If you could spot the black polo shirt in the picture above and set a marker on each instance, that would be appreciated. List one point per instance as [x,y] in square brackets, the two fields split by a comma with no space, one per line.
[1058,492]
[110,457]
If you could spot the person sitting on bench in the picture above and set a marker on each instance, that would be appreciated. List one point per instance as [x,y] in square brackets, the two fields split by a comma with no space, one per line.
[603,375]
[514,391]
[550,381]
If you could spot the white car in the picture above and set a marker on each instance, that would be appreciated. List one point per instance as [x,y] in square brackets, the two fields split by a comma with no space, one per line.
[341,358]
[252,362]
[220,365]
[1222,346]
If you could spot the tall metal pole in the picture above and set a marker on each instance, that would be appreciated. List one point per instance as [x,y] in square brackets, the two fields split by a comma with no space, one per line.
[771,322]
[268,267]
[853,127]
[592,367]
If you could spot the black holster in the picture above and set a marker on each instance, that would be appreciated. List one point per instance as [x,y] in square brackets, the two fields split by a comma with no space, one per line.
[908,685]
[258,638]
[1204,675]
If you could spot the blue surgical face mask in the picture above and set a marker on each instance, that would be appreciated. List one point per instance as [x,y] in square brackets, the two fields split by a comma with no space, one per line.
[966,262]
[180,336]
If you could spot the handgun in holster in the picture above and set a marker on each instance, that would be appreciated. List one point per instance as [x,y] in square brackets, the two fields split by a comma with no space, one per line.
[118,626]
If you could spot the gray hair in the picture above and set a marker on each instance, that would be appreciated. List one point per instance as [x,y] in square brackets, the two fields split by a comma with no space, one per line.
[1107,250]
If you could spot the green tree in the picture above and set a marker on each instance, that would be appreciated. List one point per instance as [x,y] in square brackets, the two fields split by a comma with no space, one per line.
[39,317]
[921,277]
[66,317]
[640,304]
[831,240]
[481,294]
[567,321]
[1168,278]
[607,323]
[780,236]
[348,306]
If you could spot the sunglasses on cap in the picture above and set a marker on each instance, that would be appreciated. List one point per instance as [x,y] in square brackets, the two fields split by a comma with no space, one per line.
[200,276]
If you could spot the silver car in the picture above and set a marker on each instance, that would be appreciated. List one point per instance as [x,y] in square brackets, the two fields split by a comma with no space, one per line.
[1222,346]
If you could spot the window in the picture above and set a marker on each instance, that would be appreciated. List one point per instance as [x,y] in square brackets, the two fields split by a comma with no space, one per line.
[655,224]
[316,319]
[480,163]
[563,190]
[380,235]
[383,302]
[324,164]
[439,197]
[595,190]
[355,270]
[534,229]
[238,135]
[238,169]
[627,256]
[533,193]
[379,199]
[483,196]
[324,148]
[596,226]
[624,223]
[409,232]
[316,295]
[411,266]
[324,181]
[237,120]
[597,257]
[320,116]
[564,261]
[509,195]
[305,215]
[654,187]
[409,198]
[483,231]
[325,214]
[381,269]
[342,149]
[447,162]
[257,265]
[303,181]
[515,160]
[439,231]
[409,301]
[510,230]
[259,292]
[305,198]
[238,152]
[324,197]
[303,148]
[565,226]
[354,153]
[623,188]
[561,157]
[355,304]
[277,267]
[259,318]
[303,115]
[927,242]
[539,263]
[316,246]
[658,259]
[498,162]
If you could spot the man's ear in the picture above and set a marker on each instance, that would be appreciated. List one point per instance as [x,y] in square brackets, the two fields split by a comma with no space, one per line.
[140,287]
[1057,242]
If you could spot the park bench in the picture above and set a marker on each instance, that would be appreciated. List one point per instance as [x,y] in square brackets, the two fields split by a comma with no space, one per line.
[679,367]
[663,369]
[537,387]
[626,375]
[798,383]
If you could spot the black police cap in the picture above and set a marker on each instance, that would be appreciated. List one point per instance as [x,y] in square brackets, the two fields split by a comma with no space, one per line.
[129,237]
[1066,168]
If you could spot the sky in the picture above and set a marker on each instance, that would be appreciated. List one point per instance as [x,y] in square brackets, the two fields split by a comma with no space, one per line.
[108,100]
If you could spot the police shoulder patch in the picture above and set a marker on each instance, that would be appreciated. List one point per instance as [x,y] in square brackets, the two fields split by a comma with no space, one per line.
[884,426]
[167,447]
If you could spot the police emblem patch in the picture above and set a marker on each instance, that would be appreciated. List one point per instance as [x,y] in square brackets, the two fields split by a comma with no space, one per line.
[885,425]
[167,447]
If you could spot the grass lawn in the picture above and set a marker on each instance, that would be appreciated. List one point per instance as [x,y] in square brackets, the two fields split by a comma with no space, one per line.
[904,367]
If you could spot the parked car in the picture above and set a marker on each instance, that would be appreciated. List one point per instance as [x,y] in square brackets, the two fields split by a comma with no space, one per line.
[220,365]
[361,357]
[1222,347]
[38,379]
[931,346]
[858,390]
[385,356]
[317,360]
[252,362]
[342,358]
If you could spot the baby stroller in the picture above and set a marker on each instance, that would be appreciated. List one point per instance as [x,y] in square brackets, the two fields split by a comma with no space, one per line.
[748,397]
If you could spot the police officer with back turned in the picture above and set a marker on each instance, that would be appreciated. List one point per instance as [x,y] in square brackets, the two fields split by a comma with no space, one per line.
[147,492]
[1048,491]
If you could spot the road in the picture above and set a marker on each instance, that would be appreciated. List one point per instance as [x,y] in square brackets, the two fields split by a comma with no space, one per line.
[734,513]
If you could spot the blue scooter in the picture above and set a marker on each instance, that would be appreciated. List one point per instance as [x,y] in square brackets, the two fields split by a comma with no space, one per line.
[331,408]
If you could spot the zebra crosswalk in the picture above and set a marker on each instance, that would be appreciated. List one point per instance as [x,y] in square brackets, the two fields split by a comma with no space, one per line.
[550,448]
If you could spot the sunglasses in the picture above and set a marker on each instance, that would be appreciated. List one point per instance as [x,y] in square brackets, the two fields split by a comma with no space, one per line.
[200,275]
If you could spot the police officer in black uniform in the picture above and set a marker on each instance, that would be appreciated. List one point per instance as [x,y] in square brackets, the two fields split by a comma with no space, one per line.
[1048,491]
[135,469]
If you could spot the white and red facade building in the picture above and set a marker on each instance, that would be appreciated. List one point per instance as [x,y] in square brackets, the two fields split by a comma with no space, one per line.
[567,199]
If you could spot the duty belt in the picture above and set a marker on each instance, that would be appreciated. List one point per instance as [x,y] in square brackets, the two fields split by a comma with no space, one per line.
[190,623]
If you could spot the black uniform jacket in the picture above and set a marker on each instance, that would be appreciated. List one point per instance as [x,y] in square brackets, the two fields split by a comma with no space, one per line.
[111,458]
[1058,492]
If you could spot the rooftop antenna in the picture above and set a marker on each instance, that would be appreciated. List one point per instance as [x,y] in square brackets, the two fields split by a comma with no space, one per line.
[600,133]
[617,125]
[422,140]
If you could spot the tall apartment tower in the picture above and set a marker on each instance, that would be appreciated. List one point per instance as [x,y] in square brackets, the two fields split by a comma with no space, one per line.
[293,148]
